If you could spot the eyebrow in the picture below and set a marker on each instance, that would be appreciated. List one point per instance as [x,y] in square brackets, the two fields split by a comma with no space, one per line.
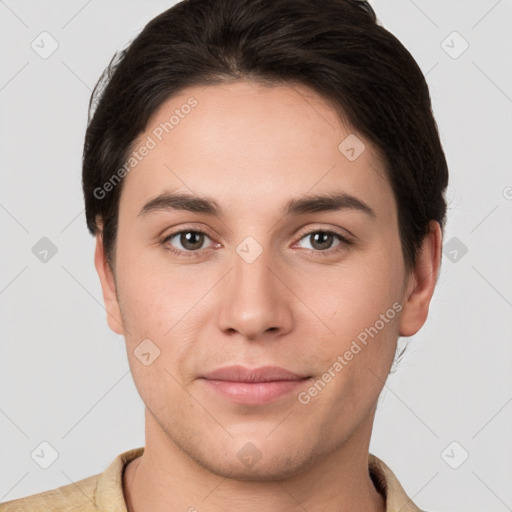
[335,201]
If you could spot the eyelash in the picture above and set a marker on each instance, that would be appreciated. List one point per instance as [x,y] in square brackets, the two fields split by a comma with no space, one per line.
[345,242]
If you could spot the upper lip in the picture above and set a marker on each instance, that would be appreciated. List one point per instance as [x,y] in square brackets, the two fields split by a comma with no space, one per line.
[261,374]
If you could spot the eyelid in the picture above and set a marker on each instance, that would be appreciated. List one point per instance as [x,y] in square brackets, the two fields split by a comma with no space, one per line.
[344,234]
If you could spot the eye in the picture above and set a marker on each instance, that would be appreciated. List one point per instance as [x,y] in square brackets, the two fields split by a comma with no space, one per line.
[185,241]
[322,240]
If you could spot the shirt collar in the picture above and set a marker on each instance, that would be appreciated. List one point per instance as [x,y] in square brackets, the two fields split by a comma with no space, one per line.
[388,485]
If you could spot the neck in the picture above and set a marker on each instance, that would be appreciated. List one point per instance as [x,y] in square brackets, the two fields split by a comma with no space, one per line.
[165,477]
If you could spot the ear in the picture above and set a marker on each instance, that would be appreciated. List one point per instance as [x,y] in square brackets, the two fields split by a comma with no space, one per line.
[421,282]
[108,286]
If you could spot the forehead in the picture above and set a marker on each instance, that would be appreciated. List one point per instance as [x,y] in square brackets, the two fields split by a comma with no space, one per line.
[254,145]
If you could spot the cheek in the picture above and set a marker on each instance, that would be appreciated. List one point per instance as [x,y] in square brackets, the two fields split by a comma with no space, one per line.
[153,304]
[156,307]
[361,304]
[354,295]
[362,309]
[153,293]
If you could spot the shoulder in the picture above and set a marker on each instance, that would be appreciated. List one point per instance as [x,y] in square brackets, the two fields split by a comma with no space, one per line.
[103,491]
[79,496]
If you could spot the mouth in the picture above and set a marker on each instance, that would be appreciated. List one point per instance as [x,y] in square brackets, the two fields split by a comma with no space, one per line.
[253,386]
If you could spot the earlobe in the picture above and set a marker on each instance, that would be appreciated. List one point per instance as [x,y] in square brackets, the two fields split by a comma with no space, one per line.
[422,282]
[108,287]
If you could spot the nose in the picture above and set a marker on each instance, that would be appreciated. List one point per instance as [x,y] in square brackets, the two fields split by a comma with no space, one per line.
[255,301]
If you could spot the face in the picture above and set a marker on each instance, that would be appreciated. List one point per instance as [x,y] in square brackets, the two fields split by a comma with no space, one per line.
[321,292]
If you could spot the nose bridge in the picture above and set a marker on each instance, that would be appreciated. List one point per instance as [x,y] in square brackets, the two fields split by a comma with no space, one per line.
[252,278]
[254,298]
[252,265]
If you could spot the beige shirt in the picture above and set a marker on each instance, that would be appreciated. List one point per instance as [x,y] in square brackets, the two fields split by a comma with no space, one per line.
[104,492]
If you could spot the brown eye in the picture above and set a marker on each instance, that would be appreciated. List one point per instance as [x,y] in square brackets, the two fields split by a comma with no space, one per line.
[186,241]
[191,240]
[321,240]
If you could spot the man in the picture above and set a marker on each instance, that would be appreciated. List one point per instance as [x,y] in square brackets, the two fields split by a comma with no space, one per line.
[265,183]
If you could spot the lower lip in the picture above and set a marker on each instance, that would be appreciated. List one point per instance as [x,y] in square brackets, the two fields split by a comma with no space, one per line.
[254,393]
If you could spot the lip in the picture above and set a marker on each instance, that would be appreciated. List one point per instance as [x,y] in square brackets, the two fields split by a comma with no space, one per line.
[253,386]
[261,374]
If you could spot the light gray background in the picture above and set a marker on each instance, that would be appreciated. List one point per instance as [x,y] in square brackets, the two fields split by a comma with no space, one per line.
[64,375]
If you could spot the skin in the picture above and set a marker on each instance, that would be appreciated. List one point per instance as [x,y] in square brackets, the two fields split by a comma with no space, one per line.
[252,148]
